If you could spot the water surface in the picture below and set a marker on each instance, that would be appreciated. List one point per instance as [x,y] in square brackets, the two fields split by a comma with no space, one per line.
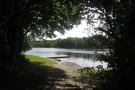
[82,57]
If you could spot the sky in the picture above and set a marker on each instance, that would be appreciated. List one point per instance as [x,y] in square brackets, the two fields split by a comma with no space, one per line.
[77,31]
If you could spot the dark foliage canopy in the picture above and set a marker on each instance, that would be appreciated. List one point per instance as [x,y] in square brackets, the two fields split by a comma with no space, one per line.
[38,18]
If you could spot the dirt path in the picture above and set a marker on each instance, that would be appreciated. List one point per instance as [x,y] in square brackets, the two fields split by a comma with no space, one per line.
[71,81]
[38,76]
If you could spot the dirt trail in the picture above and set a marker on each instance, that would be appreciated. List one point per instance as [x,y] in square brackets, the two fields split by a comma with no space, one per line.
[71,81]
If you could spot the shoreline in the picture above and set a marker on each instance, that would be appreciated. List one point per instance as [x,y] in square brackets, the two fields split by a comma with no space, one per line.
[68,64]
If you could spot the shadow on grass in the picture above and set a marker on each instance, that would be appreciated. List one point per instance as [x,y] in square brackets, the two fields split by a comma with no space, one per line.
[30,76]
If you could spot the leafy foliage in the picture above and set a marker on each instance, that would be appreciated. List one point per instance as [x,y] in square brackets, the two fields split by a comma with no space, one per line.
[116,19]
[25,44]
[36,18]
[87,70]
[97,77]
[93,42]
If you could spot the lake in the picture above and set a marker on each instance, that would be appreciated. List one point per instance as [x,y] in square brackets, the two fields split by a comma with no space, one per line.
[82,57]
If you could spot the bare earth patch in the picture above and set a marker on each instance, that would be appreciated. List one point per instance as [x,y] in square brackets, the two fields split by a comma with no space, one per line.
[72,80]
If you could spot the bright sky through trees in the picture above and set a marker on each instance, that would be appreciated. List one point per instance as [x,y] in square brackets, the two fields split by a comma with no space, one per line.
[77,31]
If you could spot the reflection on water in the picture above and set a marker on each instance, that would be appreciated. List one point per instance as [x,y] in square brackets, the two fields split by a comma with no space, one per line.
[85,58]
[79,55]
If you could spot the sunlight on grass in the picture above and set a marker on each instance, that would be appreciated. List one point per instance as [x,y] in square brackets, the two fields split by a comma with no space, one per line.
[45,61]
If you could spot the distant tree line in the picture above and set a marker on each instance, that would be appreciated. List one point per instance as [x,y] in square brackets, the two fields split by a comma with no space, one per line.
[92,42]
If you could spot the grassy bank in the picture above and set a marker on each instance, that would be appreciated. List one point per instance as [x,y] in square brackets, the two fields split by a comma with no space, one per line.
[45,61]
[30,73]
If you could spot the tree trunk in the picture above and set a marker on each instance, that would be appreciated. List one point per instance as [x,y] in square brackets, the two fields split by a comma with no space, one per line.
[12,33]
[20,41]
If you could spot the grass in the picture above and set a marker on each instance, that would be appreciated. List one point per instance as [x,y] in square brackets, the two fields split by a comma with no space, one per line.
[30,73]
[87,71]
[45,61]
[34,64]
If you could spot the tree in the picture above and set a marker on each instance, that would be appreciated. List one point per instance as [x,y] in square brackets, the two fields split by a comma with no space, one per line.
[26,44]
[117,22]
[38,18]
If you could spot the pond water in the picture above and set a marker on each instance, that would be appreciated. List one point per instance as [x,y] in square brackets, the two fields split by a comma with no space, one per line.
[82,57]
